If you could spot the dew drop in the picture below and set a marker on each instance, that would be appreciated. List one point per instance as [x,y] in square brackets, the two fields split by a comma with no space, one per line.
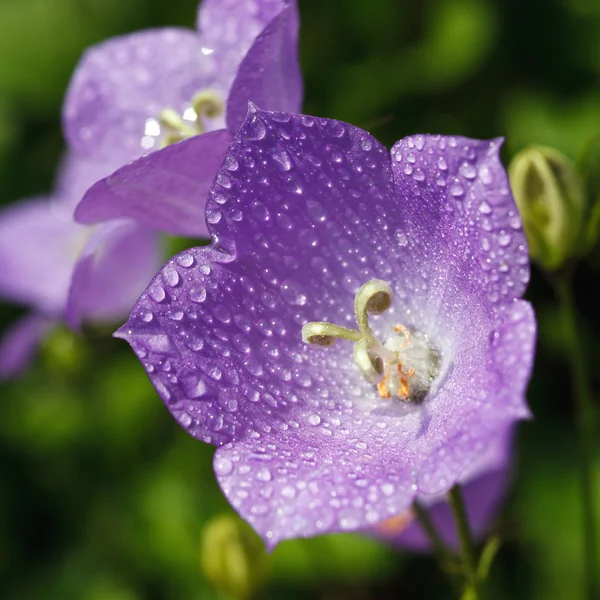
[314,419]
[223,180]
[419,175]
[401,239]
[264,474]
[231,163]
[185,260]
[467,170]
[197,294]
[223,466]
[255,129]
[222,313]
[457,190]
[260,211]
[157,292]
[504,239]
[486,175]
[284,222]
[308,237]
[176,314]
[315,211]
[388,489]
[170,276]
[288,492]
[292,293]
[212,216]
[282,159]
[292,184]
[485,208]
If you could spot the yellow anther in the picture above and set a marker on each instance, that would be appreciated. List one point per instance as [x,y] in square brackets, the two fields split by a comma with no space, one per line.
[383,390]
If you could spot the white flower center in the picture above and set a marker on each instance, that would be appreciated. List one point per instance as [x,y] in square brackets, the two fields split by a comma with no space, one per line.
[404,366]
[170,126]
[409,377]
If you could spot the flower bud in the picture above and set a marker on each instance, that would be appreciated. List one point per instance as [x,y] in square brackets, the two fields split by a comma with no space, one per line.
[233,557]
[63,351]
[551,202]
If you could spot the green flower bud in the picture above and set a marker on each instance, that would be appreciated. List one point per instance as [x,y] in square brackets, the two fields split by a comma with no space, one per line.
[233,557]
[64,351]
[589,167]
[551,200]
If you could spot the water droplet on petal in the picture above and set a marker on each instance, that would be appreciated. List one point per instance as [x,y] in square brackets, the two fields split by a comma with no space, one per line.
[293,293]
[457,190]
[170,276]
[485,208]
[467,170]
[223,466]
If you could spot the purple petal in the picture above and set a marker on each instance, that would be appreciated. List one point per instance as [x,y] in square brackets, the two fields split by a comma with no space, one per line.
[290,486]
[483,498]
[460,215]
[75,176]
[304,211]
[19,343]
[165,190]
[122,82]
[229,27]
[269,75]
[111,272]
[483,494]
[37,254]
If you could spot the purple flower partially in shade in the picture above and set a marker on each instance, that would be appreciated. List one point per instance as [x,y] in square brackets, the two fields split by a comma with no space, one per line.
[415,258]
[483,494]
[63,270]
[136,93]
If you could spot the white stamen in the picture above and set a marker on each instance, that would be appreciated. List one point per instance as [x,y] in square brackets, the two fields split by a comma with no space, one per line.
[403,367]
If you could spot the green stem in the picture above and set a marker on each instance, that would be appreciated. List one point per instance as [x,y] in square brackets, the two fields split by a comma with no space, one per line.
[467,547]
[445,556]
[441,550]
[585,419]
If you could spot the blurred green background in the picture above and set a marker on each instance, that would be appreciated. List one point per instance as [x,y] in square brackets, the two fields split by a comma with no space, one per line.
[102,496]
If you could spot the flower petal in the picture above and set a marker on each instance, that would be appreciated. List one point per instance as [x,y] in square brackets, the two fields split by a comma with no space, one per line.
[19,343]
[111,272]
[229,27]
[483,492]
[483,497]
[76,175]
[269,75]
[289,486]
[165,190]
[460,214]
[122,82]
[492,406]
[37,254]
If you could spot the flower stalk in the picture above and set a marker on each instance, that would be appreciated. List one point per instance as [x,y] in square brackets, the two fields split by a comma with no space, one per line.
[586,426]
[443,553]
[467,547]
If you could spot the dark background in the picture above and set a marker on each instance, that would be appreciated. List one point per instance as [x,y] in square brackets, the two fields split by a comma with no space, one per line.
[102,496]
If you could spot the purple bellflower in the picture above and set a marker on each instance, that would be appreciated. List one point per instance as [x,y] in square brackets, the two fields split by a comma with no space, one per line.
[413,261]
[137,93]
[129,96]
[63,270]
